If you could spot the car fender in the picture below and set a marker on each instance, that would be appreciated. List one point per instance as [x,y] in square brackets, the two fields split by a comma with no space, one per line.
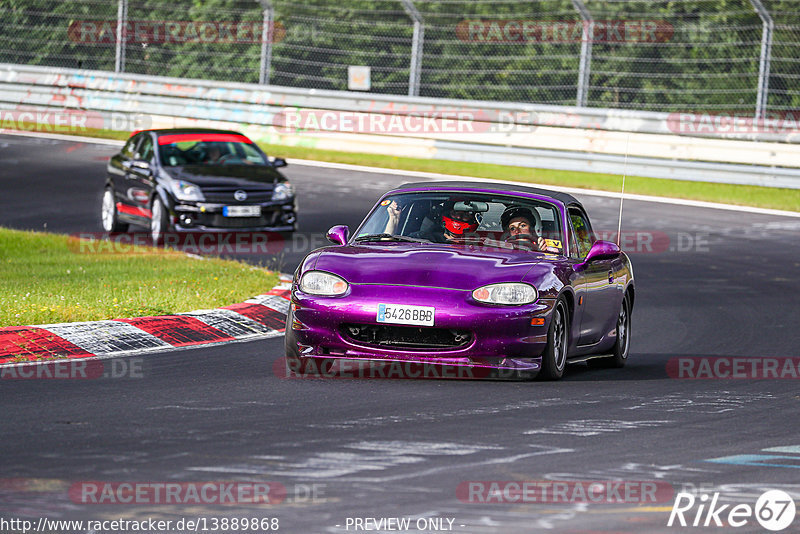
[165,197]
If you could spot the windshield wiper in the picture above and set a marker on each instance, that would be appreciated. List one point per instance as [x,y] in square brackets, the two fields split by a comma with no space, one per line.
[388,237]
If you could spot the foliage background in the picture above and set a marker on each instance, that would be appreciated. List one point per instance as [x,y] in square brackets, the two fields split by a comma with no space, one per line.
[710,62]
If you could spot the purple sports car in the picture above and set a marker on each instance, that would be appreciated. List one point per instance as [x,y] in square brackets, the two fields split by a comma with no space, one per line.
[494,277]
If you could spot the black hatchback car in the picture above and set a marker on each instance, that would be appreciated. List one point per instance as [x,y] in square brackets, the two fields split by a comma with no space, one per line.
[179,180]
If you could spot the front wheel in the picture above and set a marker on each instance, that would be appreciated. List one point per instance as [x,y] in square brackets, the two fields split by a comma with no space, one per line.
[109,215]
[554,357]
[159,221]
[296,365]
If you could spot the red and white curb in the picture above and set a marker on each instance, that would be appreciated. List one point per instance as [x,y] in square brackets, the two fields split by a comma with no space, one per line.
[261,317]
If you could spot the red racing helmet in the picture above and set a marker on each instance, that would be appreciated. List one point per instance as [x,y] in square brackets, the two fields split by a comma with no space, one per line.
[459,227]
[463,222]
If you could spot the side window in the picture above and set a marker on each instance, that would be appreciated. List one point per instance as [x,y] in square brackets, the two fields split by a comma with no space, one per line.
[581,232]
[145,151]
[130,147]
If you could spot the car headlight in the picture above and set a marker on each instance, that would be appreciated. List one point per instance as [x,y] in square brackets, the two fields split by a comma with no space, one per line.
[186,191]
[510,294]
[322,283]
[282,191]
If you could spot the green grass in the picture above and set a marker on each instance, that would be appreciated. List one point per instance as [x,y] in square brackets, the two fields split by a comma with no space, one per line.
[47,278]
[743,195]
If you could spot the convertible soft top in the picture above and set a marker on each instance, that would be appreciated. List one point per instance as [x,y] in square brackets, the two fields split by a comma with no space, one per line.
[564,198]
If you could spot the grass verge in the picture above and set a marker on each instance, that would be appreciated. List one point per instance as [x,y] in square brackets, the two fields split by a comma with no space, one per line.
[47,278]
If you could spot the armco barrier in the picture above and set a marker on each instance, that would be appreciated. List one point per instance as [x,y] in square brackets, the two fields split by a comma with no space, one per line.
[567,138]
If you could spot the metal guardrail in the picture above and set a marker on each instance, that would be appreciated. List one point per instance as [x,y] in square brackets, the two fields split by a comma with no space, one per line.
[160,101]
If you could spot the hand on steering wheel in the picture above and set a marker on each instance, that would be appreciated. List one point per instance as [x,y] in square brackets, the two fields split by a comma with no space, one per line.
[523,240]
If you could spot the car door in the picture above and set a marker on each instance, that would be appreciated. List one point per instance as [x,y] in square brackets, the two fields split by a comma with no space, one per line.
[117,170]
[597,292]
[139,177]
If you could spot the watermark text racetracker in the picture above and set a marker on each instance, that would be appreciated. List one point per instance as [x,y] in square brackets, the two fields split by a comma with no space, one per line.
[564,491]
[169,493]
[733,368]
[441,121]
[155,492]
[275,243]
[720,123]
[71,120]
[104,32]
[201,243]
[518,31]
[344,368]
[77,369]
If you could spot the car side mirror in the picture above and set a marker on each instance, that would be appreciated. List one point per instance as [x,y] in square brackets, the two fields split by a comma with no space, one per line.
[602,250]
[141,164]
[338,234]
[279,162]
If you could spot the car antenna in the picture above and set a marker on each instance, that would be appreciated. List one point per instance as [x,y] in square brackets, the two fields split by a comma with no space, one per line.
[622,194]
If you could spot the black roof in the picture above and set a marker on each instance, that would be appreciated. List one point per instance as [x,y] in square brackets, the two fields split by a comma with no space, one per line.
[565,198]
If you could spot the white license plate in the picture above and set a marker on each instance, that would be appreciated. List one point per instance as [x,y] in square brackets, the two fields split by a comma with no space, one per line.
[402,314]
[241,211]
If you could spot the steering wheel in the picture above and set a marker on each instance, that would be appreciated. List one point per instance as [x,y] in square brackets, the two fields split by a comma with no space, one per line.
[224,158]
[526,241]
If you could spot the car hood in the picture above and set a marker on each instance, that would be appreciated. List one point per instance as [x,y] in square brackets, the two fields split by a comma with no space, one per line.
[234,175]
[443,266]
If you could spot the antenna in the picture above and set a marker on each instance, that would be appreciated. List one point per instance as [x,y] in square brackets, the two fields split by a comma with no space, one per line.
[622,194]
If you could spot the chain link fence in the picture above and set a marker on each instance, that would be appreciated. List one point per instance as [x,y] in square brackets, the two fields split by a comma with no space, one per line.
[737,56]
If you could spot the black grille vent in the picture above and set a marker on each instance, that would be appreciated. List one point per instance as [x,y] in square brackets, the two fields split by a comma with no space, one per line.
[407,337]
[224,195]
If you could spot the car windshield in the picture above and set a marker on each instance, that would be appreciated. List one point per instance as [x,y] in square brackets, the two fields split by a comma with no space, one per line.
[485,219]
[207,151]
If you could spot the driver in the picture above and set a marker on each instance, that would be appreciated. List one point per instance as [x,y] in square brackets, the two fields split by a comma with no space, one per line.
[455,223]
[214,154]
[519,224]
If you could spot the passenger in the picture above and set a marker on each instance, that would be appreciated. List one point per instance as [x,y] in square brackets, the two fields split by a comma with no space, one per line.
[455,224]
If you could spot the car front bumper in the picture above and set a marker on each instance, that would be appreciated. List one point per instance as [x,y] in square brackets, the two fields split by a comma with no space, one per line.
[500,337]
[208,217]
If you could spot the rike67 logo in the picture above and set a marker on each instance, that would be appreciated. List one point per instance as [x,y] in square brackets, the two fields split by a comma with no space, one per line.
[774,510]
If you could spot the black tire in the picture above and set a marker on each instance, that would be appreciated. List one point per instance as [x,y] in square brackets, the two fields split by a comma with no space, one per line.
[619,354]
[296,365]
[109,217]
[554,357]
[159,220]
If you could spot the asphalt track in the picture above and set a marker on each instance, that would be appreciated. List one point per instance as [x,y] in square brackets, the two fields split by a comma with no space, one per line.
[719,284]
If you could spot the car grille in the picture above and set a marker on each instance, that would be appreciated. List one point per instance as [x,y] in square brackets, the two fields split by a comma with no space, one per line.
[224,195]
[267,219]
[406,337]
